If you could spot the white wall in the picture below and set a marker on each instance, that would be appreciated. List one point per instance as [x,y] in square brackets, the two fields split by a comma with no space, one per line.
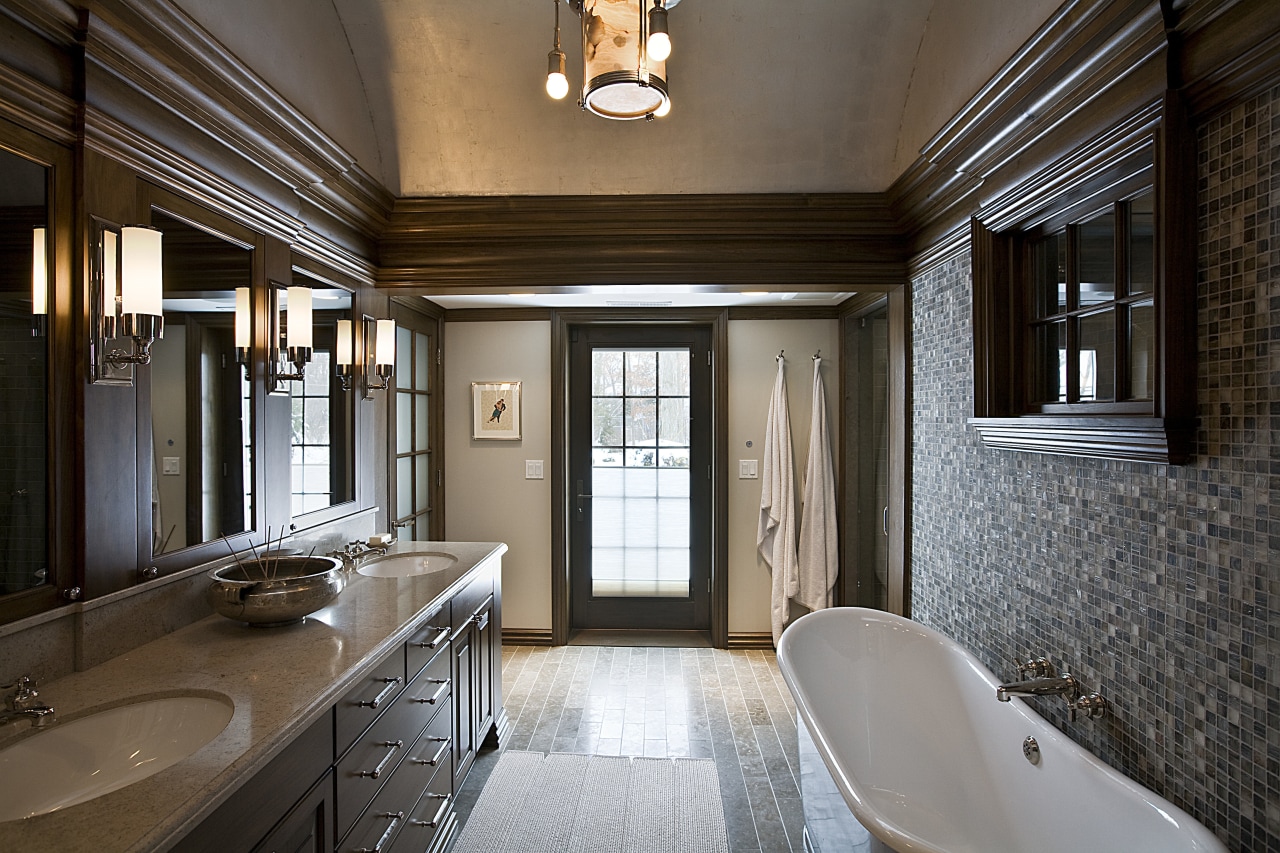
[753,346]
[487,498]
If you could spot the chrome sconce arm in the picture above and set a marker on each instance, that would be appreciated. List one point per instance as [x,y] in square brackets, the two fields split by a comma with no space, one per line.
[379,355]
[126,300]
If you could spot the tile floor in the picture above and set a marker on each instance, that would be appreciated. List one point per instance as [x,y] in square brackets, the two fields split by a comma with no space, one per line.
[732,706]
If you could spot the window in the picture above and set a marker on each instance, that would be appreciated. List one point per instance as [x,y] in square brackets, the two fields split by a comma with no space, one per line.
[1084,305]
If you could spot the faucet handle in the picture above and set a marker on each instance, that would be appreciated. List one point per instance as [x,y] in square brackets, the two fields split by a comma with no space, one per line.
[22,698]
[1092,705]
[1036,668]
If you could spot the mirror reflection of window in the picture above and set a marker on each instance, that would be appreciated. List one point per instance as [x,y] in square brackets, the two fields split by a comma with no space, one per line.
[202,483]
[322,449]
[24,493]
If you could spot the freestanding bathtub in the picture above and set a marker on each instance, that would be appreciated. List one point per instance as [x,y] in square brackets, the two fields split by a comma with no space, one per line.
[908,726]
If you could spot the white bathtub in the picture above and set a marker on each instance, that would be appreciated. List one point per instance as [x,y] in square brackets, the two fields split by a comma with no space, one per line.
[908,725]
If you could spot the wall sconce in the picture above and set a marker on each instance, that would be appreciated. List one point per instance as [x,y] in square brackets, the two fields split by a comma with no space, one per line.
[141,293]
[126,299]
[244,331]
[379,355]
[39,282]
[293,335]
[344,354]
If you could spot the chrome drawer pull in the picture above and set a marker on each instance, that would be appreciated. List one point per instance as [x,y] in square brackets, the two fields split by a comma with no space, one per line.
[440,753]
[440,638]
[481,620]
[396,817]
[434,697]
[382,765]
[386,691]
[435,822]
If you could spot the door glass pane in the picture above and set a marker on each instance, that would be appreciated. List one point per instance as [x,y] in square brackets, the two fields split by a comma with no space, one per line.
[1142,355]
[421,423]
[1097,356]
[1096,260]
[640,476]
[1049,275]
[421,360]
[1049,363]
[422,480]
[404,357]
[404,487]
[404,422]
[1142,245]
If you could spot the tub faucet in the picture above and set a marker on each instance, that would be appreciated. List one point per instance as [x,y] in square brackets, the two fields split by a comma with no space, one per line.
[25,702]
[1047,681]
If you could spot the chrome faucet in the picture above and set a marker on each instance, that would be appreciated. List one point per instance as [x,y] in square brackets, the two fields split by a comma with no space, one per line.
[25,702]
[355,551]
[1047,681]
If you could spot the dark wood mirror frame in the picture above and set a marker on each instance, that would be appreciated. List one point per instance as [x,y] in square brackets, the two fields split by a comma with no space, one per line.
[65,578]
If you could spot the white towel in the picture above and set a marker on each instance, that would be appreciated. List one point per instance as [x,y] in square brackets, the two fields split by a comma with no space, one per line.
[819,553]
[776,535]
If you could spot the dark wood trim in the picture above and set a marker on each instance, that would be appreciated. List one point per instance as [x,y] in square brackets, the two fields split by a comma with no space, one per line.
[560,628]
[900,444]
[793,240]
[528,637]
[1153,146]
[787,312]
[495,315]
[1228,52]
[749,640]
[720,482]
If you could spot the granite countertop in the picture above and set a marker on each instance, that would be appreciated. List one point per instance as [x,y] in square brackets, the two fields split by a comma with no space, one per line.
[280,679]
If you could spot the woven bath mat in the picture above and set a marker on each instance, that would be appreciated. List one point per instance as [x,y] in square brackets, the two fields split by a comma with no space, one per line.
[539,803]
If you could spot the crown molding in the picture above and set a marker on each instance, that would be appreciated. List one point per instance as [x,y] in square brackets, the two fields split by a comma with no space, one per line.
[845,240]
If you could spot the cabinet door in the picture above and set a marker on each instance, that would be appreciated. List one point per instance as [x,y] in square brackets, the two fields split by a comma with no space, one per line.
[464,703]
[485,670]
[308,828]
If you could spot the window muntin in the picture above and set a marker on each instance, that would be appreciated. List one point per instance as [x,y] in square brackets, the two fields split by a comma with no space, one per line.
[1091,318]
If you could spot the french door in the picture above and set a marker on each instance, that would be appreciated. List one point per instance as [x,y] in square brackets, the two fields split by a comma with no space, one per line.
[640,442]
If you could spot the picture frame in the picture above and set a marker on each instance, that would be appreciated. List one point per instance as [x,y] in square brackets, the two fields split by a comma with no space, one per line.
[495,411]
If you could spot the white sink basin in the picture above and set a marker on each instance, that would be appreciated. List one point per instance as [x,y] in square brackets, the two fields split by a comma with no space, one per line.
[407,565]
[75,761]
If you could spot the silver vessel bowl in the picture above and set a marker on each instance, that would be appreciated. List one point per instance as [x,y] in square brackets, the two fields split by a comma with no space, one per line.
[275,590]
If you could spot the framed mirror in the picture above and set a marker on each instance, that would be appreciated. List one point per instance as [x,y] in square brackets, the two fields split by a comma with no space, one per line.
[201,403]
[322,395]
[25,264]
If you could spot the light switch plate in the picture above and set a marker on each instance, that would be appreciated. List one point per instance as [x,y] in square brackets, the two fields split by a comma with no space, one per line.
[533,469]
[171,465]
[748,469]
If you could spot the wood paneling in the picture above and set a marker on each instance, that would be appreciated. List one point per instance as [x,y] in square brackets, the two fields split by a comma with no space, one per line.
[474,244]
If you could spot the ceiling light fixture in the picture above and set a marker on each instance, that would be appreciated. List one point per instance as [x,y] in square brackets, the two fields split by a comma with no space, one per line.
[624,51]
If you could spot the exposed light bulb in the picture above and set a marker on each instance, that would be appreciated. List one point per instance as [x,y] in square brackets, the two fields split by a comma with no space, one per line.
[557,85]
[659,47]
[663,108]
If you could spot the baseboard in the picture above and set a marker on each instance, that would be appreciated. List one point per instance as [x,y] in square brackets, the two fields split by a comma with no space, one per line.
[526,637]
[751,641]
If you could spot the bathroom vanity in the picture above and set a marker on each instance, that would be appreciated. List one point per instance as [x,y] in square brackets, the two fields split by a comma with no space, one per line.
[351,730]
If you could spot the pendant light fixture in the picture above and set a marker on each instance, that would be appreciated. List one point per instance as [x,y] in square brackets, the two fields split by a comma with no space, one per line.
[625,45]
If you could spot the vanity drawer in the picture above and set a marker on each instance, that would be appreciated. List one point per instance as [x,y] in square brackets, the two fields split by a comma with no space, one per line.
[428,640]
[389,811]
[431,820]
[364,702]
[372,760]
[431,689]
[471,599]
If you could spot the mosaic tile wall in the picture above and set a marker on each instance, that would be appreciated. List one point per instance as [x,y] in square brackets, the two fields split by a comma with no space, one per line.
[1157,585]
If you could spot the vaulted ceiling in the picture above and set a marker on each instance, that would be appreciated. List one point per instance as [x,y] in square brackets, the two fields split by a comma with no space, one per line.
[445,97]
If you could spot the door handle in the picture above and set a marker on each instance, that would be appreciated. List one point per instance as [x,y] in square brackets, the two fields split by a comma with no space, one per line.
[581,496]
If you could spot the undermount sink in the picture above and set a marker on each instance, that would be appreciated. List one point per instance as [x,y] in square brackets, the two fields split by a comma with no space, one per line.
[84,758]
[407,565]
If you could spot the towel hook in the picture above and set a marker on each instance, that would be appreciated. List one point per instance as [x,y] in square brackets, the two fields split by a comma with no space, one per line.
[780,352]
[817,355]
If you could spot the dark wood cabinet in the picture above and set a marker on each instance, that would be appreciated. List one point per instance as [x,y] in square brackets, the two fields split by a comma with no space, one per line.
[379,770]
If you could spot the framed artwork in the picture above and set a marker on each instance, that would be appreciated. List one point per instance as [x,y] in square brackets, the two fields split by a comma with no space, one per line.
[495,410]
